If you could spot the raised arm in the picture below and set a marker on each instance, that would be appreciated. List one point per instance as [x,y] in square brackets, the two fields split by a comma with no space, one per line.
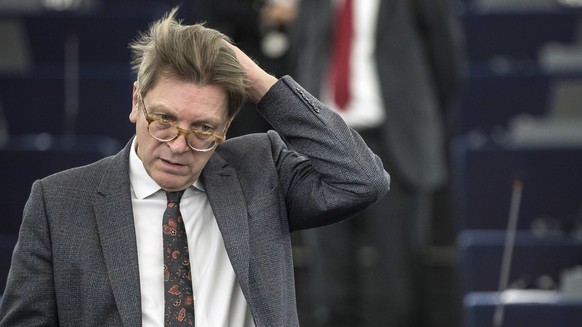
[260,81]
[327,171]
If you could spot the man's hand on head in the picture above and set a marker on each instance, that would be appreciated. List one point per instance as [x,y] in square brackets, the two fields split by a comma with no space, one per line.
[259,79]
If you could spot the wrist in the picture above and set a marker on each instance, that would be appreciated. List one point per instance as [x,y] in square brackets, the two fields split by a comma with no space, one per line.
[260,87]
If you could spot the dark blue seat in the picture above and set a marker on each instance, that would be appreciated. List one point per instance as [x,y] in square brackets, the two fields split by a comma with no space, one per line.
[534,256]
[36,103]
[516,35]
[27,158]
[101,37]
[98,48]
[483,174]
[506,77]
[33,104]
[491,100]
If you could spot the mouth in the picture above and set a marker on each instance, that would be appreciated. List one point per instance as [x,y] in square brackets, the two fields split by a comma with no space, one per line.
[172,163]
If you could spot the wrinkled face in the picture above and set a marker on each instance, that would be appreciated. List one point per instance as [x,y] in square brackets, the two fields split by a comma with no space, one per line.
[174,165]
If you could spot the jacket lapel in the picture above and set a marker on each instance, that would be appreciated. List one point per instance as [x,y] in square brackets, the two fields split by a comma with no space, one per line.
[114,216]
[229,206]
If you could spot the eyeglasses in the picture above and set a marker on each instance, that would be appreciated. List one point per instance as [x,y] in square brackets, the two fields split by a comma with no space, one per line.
[165,130]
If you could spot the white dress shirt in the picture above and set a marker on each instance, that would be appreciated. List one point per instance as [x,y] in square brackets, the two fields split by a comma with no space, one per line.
[365,110]
[218,298]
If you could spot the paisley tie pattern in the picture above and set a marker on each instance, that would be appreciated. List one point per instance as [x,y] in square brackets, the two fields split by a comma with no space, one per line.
[179,300]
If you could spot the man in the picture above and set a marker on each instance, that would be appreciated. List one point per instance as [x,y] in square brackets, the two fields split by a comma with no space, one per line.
[402,69]
[92,248]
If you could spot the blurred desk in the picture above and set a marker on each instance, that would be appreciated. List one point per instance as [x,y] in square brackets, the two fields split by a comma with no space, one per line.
[480,253]
[523,308]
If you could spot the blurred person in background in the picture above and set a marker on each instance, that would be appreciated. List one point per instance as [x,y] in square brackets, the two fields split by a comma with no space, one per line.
[390,68]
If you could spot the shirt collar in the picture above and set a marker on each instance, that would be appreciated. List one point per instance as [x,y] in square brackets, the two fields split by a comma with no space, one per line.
[142,184]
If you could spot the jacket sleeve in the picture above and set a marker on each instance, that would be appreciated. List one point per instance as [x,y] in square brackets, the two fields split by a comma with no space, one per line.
[327,171]
[30,301]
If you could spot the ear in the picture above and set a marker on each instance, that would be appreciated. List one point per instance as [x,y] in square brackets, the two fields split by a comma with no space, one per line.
[134,103]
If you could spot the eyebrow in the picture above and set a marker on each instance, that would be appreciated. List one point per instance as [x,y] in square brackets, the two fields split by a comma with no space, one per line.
[161,109]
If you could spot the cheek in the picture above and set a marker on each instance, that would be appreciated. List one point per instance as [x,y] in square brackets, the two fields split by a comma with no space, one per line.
[143,135]
[146,146]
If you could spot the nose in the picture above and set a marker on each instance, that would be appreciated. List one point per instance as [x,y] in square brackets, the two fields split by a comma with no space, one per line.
[179,144]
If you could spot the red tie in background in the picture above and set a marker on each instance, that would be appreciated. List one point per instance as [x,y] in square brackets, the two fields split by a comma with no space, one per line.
[340,66]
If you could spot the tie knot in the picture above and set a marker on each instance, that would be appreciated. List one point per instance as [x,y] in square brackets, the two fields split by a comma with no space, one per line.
[174,197]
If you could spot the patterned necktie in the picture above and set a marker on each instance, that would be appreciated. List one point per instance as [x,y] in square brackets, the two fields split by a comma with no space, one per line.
[340,61]
[179,301]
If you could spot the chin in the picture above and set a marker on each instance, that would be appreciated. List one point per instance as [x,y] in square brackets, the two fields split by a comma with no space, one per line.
[173,185]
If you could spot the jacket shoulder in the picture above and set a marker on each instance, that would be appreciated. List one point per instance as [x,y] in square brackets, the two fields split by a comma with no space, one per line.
[84,176]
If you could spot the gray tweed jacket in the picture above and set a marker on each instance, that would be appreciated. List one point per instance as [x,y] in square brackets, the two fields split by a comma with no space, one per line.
[75,263]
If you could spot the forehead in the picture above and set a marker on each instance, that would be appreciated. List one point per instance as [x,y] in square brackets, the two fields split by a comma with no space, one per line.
[188,100]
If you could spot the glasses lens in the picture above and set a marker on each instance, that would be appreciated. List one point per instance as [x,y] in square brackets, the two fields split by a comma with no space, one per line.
[198,140]
[201,140]
[162,131]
